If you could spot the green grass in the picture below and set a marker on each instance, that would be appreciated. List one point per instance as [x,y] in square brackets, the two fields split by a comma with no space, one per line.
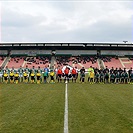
[100,108]
[32,108]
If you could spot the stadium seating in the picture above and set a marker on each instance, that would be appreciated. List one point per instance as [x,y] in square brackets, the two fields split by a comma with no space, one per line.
[37,61]
[113,63]
[127,62]
[117,62]
[15,62]
[23,61]
[2,58]
[78,61]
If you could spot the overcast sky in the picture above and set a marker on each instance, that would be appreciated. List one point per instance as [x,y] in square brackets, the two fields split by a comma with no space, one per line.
[66,21]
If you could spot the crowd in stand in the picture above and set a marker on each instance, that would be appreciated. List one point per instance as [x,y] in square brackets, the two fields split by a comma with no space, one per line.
[67,73]
[63,60]
[37,60]
[2,58]
[105,59]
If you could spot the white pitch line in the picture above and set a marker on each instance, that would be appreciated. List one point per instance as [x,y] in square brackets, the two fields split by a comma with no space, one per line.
[66,111]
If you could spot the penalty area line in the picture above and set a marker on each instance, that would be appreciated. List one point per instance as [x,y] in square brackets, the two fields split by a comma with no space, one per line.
[66,111]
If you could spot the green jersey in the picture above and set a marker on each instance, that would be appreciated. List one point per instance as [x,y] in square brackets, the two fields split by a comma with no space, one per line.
[45,74]
[97,75]
[122,75]
[131,75]
[117,75]
[101,75]
[126,75]
[7,71]
[33,70]
[27,70]
[112,76]
[20,70]
[1,73]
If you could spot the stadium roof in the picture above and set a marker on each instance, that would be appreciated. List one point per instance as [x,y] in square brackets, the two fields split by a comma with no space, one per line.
[68,46]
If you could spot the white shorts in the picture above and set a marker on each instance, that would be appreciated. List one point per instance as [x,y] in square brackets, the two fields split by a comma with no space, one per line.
[20,75]
[0,75]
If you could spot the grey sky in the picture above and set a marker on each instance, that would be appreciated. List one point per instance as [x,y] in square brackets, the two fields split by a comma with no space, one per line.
[66,21]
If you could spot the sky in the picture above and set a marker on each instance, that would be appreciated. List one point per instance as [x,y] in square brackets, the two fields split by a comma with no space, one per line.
[66,21]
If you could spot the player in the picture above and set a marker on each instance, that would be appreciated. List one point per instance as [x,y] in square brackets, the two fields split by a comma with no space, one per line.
[45,76]
[13,70]
[39,69]
[82,77]
[106,76]
[91,77]
[46,70]
[66,73]
[74,73]
[25,76]
[112,77]
[38,77]
[5,76]
[16,77]
[129,74]
[101,77]
[89,70]
[59,74]
[97,75]
[52,74]
[32,76]
[33,69]
[117,77]
[7,70]
[126,77]
[122,77]
[82,73]
[1,75]
[27,69]
[11,75]
[20,70]
[131,77]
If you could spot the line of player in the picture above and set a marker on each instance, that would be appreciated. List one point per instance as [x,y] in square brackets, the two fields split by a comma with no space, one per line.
[91,75]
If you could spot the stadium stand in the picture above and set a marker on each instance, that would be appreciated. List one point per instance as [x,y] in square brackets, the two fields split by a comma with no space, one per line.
[15,62]
[24,61]
[2,58]
[126,62]
[78,61]
[80,55]
[113,63]
[122,62]
[3,54]
[37,61]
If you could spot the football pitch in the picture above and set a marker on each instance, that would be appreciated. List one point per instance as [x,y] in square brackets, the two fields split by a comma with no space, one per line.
[40,108]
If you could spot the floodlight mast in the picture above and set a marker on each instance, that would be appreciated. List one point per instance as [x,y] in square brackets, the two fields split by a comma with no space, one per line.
[125,41]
